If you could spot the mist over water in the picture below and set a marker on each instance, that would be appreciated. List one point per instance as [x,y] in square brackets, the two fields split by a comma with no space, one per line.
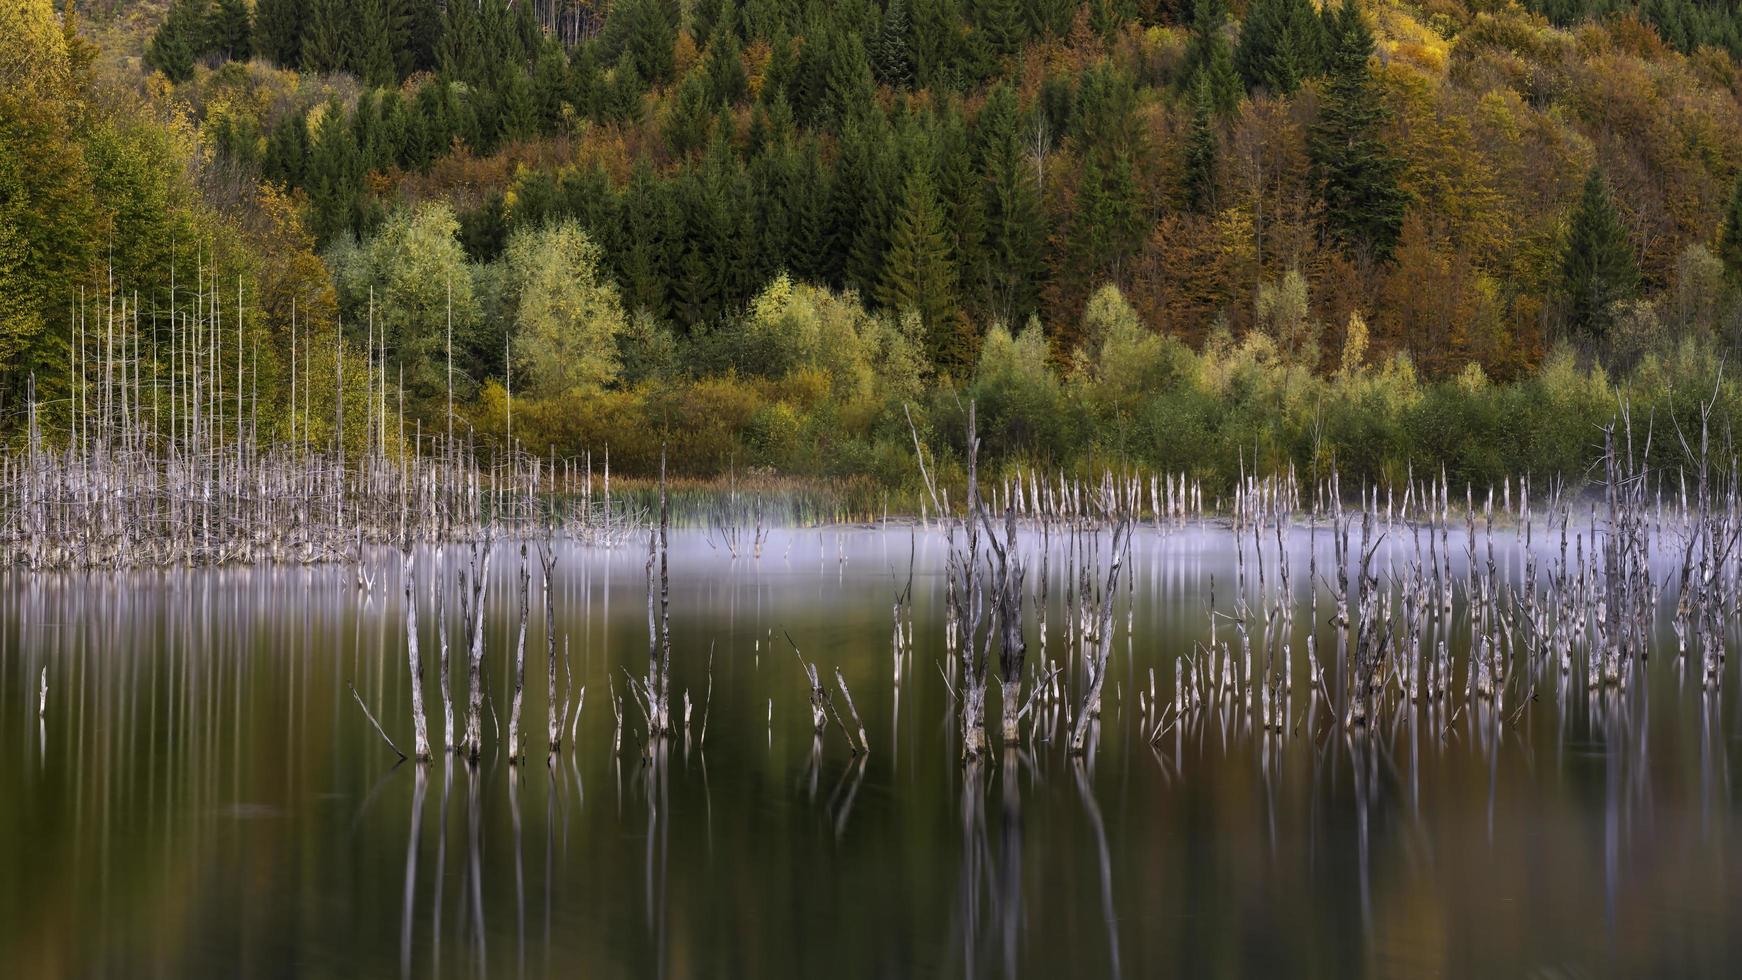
[203,797]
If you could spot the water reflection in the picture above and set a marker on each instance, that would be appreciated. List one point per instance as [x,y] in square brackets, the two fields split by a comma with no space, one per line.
[198,794]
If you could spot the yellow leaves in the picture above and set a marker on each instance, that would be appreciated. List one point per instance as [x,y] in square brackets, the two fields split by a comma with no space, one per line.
[756,59]
[33,57]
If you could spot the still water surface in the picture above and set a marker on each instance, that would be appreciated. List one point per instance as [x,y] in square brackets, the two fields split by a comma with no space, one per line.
[204,798]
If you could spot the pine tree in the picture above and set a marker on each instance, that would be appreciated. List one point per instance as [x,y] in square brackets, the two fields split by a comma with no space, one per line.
[278,27]
[1108,225]
[644,241]
[860,207]
[808,256]
[1730,236]
[849,85]
[918,273]
[460,51]
[1598,265]
[1201,148]
[1357,173]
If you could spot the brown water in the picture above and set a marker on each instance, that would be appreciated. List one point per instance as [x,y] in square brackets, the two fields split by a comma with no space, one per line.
[204,798]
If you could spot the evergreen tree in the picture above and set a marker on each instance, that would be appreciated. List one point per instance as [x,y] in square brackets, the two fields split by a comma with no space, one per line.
[1108,224]
[850,87]
[373,43]
[229,32]
[327,38]
[1051,17]
[727,81]
[1015,224]
[1201,148]
[180,40]
[278,27]
[1004,23]
[808,256]
[286,158]
[1208,54]
[860,206]
[646,235]
[918,274]
[1598,265]
[516,115]
[690,115]
[649,32]
[1356,171]
[423,35]
[1730,235]
[550,86]
[1282,42]
[335,176]
[959,185]
[890,57]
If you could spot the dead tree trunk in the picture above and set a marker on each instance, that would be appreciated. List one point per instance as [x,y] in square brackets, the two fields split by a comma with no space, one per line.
[420,727]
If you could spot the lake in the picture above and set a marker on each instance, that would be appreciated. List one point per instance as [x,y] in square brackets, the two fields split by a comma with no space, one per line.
[202,795]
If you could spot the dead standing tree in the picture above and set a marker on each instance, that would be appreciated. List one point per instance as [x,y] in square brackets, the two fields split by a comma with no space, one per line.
[1121,522]
[472,611]
[414,659]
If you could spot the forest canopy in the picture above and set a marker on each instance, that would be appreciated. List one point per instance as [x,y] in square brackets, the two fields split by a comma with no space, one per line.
[1161,232]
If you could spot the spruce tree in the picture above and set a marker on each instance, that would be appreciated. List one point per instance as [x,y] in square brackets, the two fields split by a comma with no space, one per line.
[461,51]
[517,115]
[1015,225]
[1730,235]
[1003,23]
[373,44]
[1201,148]
[1357,173]
[334,177]
[691,113]
[1208,54]
[918,273]
[727,81]
[180,40]
[278,27]
[423,35]
[327,38]
[1282,43]
[1598,265]
[286,157]
[550,85]
[229,32]
[891,58]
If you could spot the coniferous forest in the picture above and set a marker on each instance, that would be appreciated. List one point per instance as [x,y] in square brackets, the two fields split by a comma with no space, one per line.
[1183,235]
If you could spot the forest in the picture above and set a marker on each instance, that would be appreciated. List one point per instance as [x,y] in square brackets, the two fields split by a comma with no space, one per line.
[1197,237]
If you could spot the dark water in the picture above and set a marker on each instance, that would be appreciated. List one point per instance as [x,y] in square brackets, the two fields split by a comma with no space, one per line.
[204,798]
